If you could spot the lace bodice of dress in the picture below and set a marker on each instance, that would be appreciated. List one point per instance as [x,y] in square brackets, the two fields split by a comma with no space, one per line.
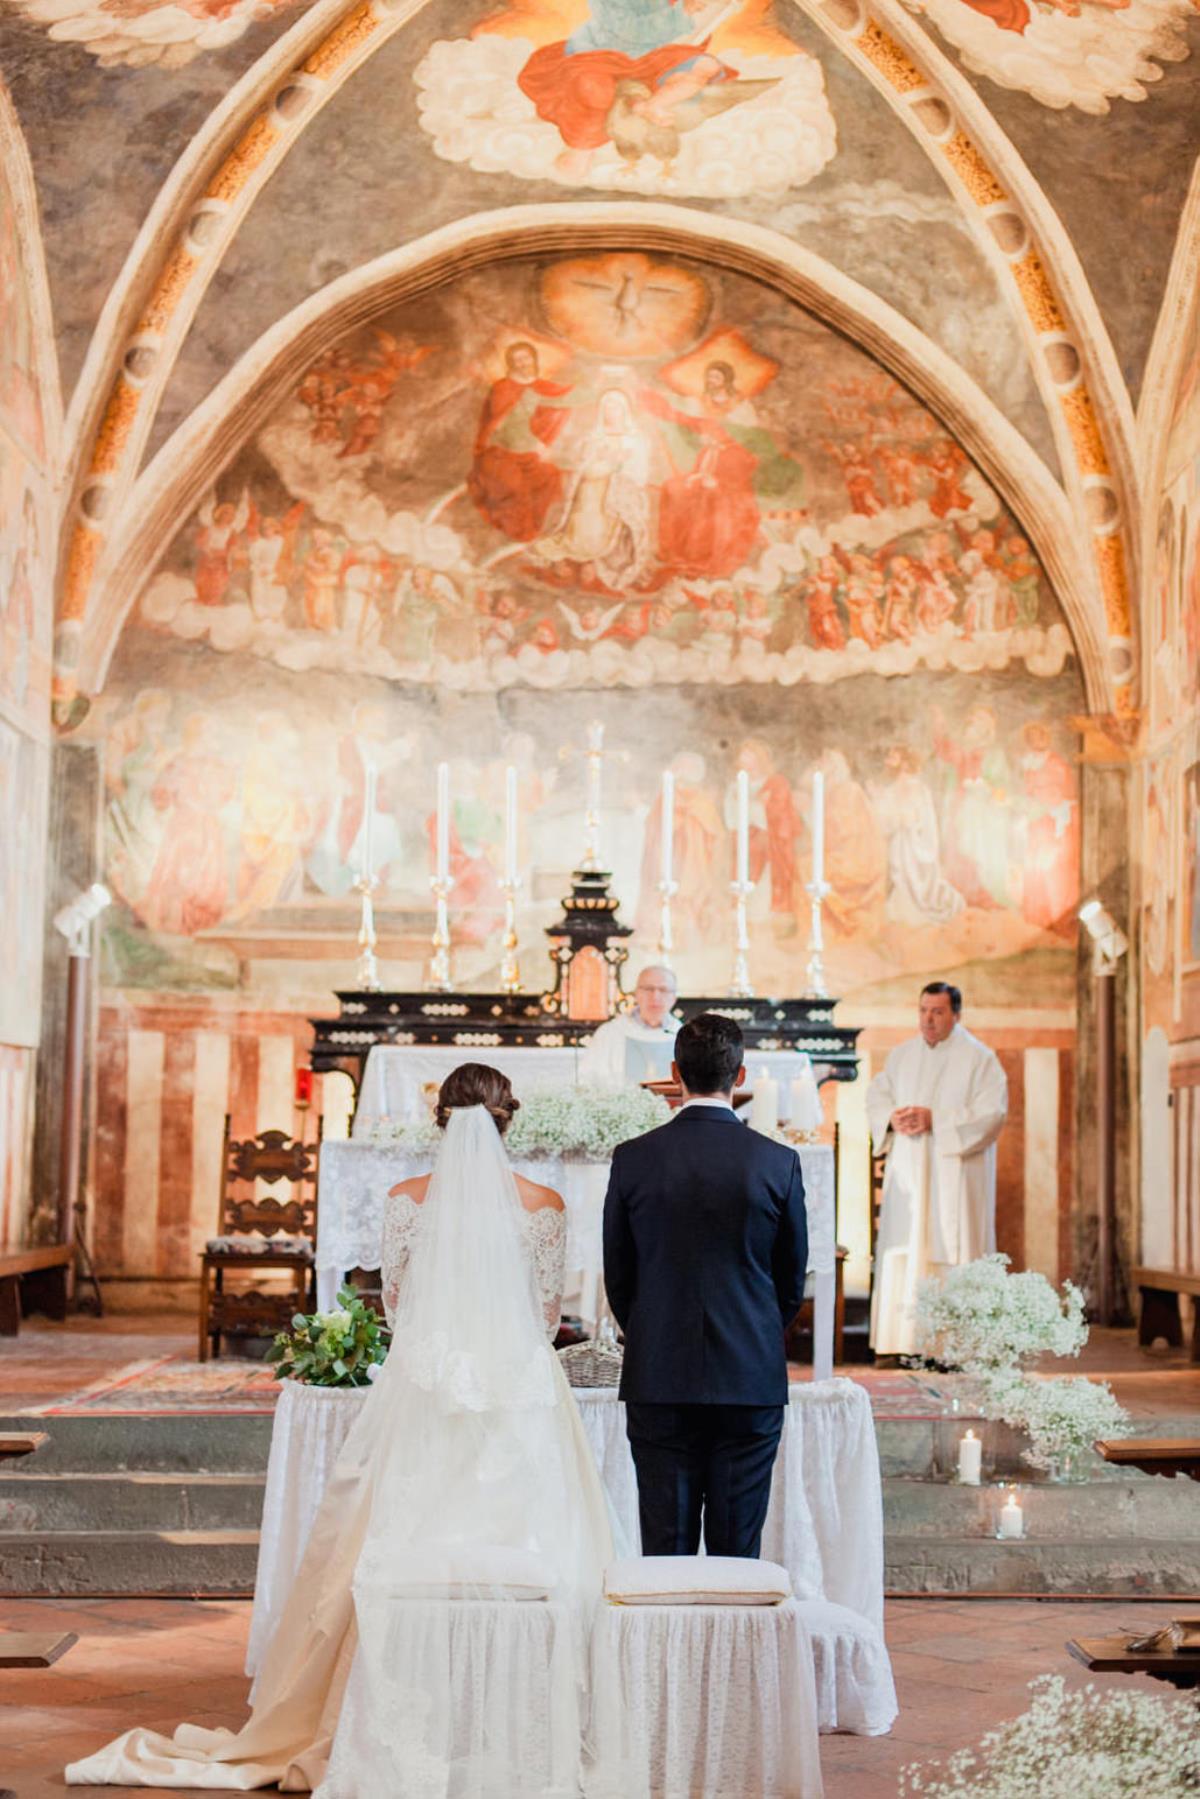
[544,1231]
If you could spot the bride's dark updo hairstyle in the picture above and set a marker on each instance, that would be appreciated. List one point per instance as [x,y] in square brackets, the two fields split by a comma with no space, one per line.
[475,1084]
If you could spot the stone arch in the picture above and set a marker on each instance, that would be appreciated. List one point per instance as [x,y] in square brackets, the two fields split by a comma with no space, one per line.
[182,470]
[225,168]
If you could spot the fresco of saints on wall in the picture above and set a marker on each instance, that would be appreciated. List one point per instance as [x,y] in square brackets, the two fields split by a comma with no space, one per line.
[704,97]
[1083,53]
[611,469]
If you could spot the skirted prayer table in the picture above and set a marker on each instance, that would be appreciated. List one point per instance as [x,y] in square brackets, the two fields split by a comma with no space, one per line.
[355,1177]
[824,1524]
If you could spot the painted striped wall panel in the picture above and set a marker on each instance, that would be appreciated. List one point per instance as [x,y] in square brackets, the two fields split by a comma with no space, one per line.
[1185,1198]
[167,1075]
[16,1136]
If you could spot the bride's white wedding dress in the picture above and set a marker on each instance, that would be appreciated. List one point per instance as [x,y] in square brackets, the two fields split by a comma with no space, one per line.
[434,1645]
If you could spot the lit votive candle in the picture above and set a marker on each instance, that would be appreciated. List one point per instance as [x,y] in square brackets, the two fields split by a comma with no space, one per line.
[970,1459]
[1012,1518]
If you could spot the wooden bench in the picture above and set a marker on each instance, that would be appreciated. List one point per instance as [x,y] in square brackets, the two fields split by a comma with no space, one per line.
[1110,1655]
[1154,1455]
[22,1442]
[1160,1290]
[33,1280]
[34,1649]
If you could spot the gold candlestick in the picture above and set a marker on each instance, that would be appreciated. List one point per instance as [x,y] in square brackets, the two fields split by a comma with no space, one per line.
[666,940]
[367,969]
[439,962]
[739,986]
[817,892]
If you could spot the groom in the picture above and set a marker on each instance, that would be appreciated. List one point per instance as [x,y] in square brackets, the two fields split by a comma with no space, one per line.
[705,1251]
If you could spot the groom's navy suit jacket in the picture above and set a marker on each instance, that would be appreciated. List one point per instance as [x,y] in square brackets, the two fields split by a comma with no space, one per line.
[705,1251]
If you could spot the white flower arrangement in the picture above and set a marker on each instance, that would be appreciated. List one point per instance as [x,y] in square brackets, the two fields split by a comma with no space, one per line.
[1061,1416]
[1105,1745]
[981,1318]
[582,1124]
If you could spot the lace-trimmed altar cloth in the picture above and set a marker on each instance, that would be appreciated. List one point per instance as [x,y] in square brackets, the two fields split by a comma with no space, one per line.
[824,1524]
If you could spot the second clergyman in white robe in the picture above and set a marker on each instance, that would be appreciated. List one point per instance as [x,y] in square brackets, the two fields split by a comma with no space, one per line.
[939,1189]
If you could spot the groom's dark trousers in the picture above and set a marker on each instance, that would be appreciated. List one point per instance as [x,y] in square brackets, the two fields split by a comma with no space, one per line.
[705,1250]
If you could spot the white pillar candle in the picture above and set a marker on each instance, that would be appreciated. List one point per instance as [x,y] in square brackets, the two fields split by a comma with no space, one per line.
[443,821]
[367,871]
[1012,1518]
[970,1460]
[818,826]
[743,827]
[510,826]
[764,1110]
[807,1113]
[668,826]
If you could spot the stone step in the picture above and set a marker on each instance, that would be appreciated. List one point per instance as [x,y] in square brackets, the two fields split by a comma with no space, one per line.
[1143,1507]
[170,1443]
[95,1563]
[39,1503]
[981,1565]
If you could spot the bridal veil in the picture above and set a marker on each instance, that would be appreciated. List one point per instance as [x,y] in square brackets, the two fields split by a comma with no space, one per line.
[434,1646]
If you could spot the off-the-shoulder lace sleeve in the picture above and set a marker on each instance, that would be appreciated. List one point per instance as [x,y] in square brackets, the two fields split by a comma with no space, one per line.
[401,1217]
[547,1230]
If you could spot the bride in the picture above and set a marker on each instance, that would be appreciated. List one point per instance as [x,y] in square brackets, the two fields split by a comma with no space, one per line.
[434,1644]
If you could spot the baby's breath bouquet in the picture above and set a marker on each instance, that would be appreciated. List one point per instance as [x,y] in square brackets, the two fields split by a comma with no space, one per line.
[979,1317]
[1061,1416]
[583,1124]
[342,1348]
[1121,1744]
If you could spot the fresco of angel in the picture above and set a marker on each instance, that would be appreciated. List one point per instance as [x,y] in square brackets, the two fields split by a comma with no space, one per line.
[644,96]
[1083,53]
[137,33]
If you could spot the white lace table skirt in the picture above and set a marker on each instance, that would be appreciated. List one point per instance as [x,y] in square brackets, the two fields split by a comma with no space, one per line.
[703,1702]
[824,1524]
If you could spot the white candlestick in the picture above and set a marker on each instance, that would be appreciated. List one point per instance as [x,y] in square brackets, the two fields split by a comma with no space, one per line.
[743,826]
[970,1460]
[510,826]
[764,1110]
[1012,1518]
[443,821]
[368,841]
[668,826]
[818,826]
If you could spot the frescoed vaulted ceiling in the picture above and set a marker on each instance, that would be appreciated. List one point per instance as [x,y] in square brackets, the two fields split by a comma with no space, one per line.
[986,192]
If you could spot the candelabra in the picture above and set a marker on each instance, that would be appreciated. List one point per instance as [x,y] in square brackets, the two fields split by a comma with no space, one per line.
[510,967]
[817,892]
[367,974]
[439,962]
[666,938]
[739,986]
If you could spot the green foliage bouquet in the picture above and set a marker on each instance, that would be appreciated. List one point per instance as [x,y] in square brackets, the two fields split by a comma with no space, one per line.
[342,1348]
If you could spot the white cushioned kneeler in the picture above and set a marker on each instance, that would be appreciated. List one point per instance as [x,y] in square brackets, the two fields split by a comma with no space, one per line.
[855,1689]
[702,1701]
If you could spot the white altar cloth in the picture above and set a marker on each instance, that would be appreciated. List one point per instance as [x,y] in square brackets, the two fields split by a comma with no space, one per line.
[824,1524]
[354,1178]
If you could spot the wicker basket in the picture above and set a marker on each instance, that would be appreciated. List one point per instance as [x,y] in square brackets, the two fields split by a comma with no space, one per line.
[596,1363]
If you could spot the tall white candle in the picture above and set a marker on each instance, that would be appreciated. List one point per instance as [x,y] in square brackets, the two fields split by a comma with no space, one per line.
[367,871]
[764,1109]
[970,1460]
[818,826]
[443,821]
[668,826]
[1012,1518]
[510,825]
[743,827]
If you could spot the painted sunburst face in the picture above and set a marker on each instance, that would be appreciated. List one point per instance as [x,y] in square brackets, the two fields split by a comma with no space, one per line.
[625,304]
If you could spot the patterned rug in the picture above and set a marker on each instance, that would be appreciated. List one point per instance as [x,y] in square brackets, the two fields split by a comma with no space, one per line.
[173,1384]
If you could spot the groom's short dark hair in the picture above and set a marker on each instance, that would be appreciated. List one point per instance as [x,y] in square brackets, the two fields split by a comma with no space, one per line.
[708,1053]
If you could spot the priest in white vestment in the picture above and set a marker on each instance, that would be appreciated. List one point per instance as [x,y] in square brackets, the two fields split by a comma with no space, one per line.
[937,1107]
[638,1045]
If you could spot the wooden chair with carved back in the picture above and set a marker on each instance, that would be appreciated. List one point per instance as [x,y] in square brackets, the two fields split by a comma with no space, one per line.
[878,1165]
[259,1233]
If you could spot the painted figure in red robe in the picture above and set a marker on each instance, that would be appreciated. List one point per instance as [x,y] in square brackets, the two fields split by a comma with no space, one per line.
[513,481]
[1051,805]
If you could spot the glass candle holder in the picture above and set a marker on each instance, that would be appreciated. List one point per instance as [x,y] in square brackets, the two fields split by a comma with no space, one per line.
[1010,1518]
